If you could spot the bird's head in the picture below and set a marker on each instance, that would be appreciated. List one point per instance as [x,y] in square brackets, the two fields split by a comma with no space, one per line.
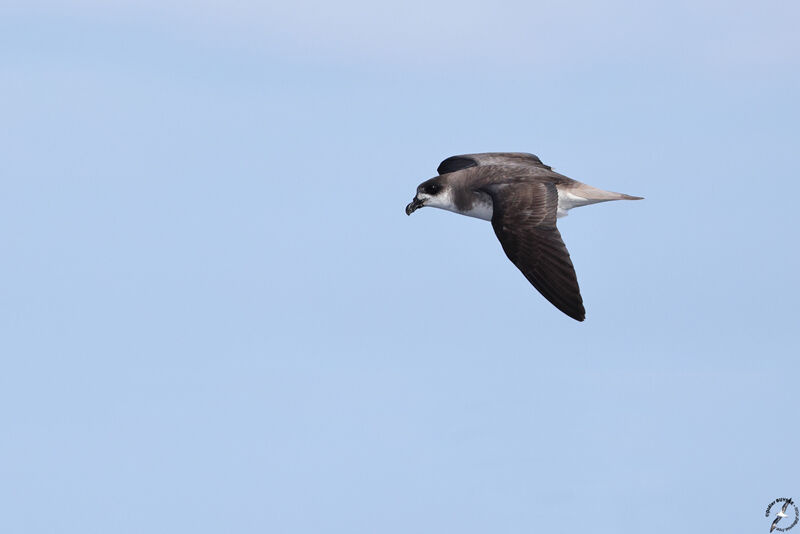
[435,192]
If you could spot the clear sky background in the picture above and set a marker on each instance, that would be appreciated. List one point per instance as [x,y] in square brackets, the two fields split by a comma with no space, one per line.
[216,317]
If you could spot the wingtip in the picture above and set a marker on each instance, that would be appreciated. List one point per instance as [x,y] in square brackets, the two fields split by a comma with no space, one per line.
[579,313]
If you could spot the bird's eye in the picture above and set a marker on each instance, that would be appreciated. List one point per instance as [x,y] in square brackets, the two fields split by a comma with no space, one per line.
[432,189]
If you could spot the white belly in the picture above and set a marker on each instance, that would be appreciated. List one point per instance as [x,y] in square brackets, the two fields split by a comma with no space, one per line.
[481,206]
[480,210]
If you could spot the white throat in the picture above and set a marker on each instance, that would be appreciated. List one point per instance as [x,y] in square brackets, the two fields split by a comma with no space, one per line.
[481,205]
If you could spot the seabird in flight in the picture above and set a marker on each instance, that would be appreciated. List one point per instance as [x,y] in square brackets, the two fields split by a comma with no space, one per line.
[781,514]
[522,197]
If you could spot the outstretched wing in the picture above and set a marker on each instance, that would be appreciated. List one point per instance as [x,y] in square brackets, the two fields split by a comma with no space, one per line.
[524,219]
[464,161]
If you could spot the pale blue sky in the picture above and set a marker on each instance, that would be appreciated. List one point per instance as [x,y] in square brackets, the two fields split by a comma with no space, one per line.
[216,317]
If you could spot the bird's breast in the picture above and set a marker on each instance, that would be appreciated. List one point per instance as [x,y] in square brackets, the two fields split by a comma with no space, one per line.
[481,207]
[469,203]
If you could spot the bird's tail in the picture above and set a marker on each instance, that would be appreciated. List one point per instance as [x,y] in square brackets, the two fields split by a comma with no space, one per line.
[599,195]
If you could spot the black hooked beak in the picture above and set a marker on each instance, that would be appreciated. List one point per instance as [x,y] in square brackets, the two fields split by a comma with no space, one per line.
[414,206]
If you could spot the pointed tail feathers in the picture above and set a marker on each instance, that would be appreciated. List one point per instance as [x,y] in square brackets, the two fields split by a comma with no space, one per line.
[594,194]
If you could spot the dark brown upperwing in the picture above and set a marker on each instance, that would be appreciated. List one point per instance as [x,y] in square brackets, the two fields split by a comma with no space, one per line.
[524,220]
[464,161]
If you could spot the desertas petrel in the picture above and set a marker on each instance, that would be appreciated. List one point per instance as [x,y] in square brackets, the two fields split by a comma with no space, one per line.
[522,197]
